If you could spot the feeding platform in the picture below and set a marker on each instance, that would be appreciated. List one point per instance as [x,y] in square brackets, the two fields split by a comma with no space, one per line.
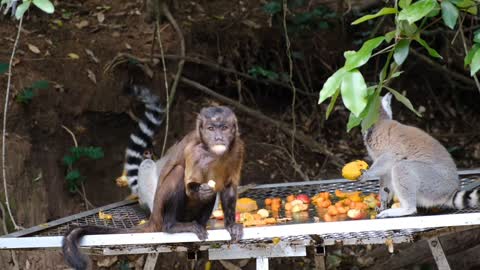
[280,240]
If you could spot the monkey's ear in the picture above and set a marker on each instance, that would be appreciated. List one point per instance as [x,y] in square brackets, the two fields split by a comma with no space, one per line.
[199,124]
[235,120]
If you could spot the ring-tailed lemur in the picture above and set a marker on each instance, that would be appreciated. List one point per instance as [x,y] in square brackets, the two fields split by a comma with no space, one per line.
[414,166]
[139,180]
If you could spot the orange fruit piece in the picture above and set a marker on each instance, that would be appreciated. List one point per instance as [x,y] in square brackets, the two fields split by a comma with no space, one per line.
[332,210]
[246,205]
[268,201]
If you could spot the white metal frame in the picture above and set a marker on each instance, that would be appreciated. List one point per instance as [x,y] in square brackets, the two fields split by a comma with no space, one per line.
[158,242]
[322,228]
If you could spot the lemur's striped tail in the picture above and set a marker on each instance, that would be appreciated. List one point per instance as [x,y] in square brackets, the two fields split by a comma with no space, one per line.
[466,199]
[142,137]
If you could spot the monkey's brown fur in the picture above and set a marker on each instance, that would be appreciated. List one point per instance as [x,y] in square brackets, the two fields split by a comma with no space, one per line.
[183,200]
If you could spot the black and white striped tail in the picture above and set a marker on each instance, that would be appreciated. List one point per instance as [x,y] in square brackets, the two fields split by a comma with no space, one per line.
[466,199]
[142,137]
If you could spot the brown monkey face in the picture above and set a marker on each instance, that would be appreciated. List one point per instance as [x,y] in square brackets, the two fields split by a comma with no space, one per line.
[218,128]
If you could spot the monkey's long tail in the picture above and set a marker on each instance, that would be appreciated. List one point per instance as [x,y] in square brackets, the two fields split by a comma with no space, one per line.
[466,199]
[70,246]
[142,137]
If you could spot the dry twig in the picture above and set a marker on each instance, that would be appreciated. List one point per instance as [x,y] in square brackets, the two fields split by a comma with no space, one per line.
[4,129]
[455,75]
[290,80]
[165,79]
[181,63]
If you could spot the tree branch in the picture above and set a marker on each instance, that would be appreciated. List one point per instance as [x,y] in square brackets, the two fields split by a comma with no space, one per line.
[458,76]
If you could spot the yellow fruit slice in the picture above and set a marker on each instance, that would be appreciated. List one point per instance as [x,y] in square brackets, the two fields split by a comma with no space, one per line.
[246,205]
[353,170]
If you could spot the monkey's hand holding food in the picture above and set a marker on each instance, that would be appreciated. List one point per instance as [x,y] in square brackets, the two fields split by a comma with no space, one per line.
[354,170]
[206,192]
[211,184]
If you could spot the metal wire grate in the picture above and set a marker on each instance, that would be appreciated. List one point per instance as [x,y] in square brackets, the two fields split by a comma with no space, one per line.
[127,216]
[123,217]
[283,191]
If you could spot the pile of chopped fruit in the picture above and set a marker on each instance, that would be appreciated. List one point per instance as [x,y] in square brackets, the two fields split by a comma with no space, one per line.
[329,207]
[352,205]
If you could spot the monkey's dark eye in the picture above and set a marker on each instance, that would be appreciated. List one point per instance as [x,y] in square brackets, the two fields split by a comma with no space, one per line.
[224,127]
[210,128]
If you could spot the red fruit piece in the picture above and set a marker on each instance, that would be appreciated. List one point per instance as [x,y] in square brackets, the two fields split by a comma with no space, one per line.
[304,198]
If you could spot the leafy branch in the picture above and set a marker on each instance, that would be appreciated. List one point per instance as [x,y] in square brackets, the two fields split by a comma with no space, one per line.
[73,176]
[28,93]
[410,18]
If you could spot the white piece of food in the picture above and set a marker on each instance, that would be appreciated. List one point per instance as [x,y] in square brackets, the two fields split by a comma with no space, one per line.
[211,184]
[219,149]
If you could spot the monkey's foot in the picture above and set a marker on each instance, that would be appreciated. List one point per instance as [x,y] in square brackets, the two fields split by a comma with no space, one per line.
[122,181]
[397,212]
[200,231]
[235,231]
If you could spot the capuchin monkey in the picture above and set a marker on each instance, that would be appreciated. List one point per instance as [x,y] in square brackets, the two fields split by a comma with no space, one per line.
[184,198]
[414,166]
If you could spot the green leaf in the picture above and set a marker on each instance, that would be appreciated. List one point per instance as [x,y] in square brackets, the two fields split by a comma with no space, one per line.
[272,7]
[381,12]
[435,11]
[40,84]
[89,152]
[69,160]
[361,57]
[331,85]
[347,54]
[449,14]
[44,5]
[256,70]
[473,9]
[476,36]
[430,50]
[3,68]
[22,9]
[372,111]
[403,99]
[73,175]
[401,51]
[467,5]
[404,3]
[475,64]
[471,53]
[354,92]
[332,103]
[417,10]
[396,74]
[370,91]
[25,96]
[390,35]
[407,29]
[353,121]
